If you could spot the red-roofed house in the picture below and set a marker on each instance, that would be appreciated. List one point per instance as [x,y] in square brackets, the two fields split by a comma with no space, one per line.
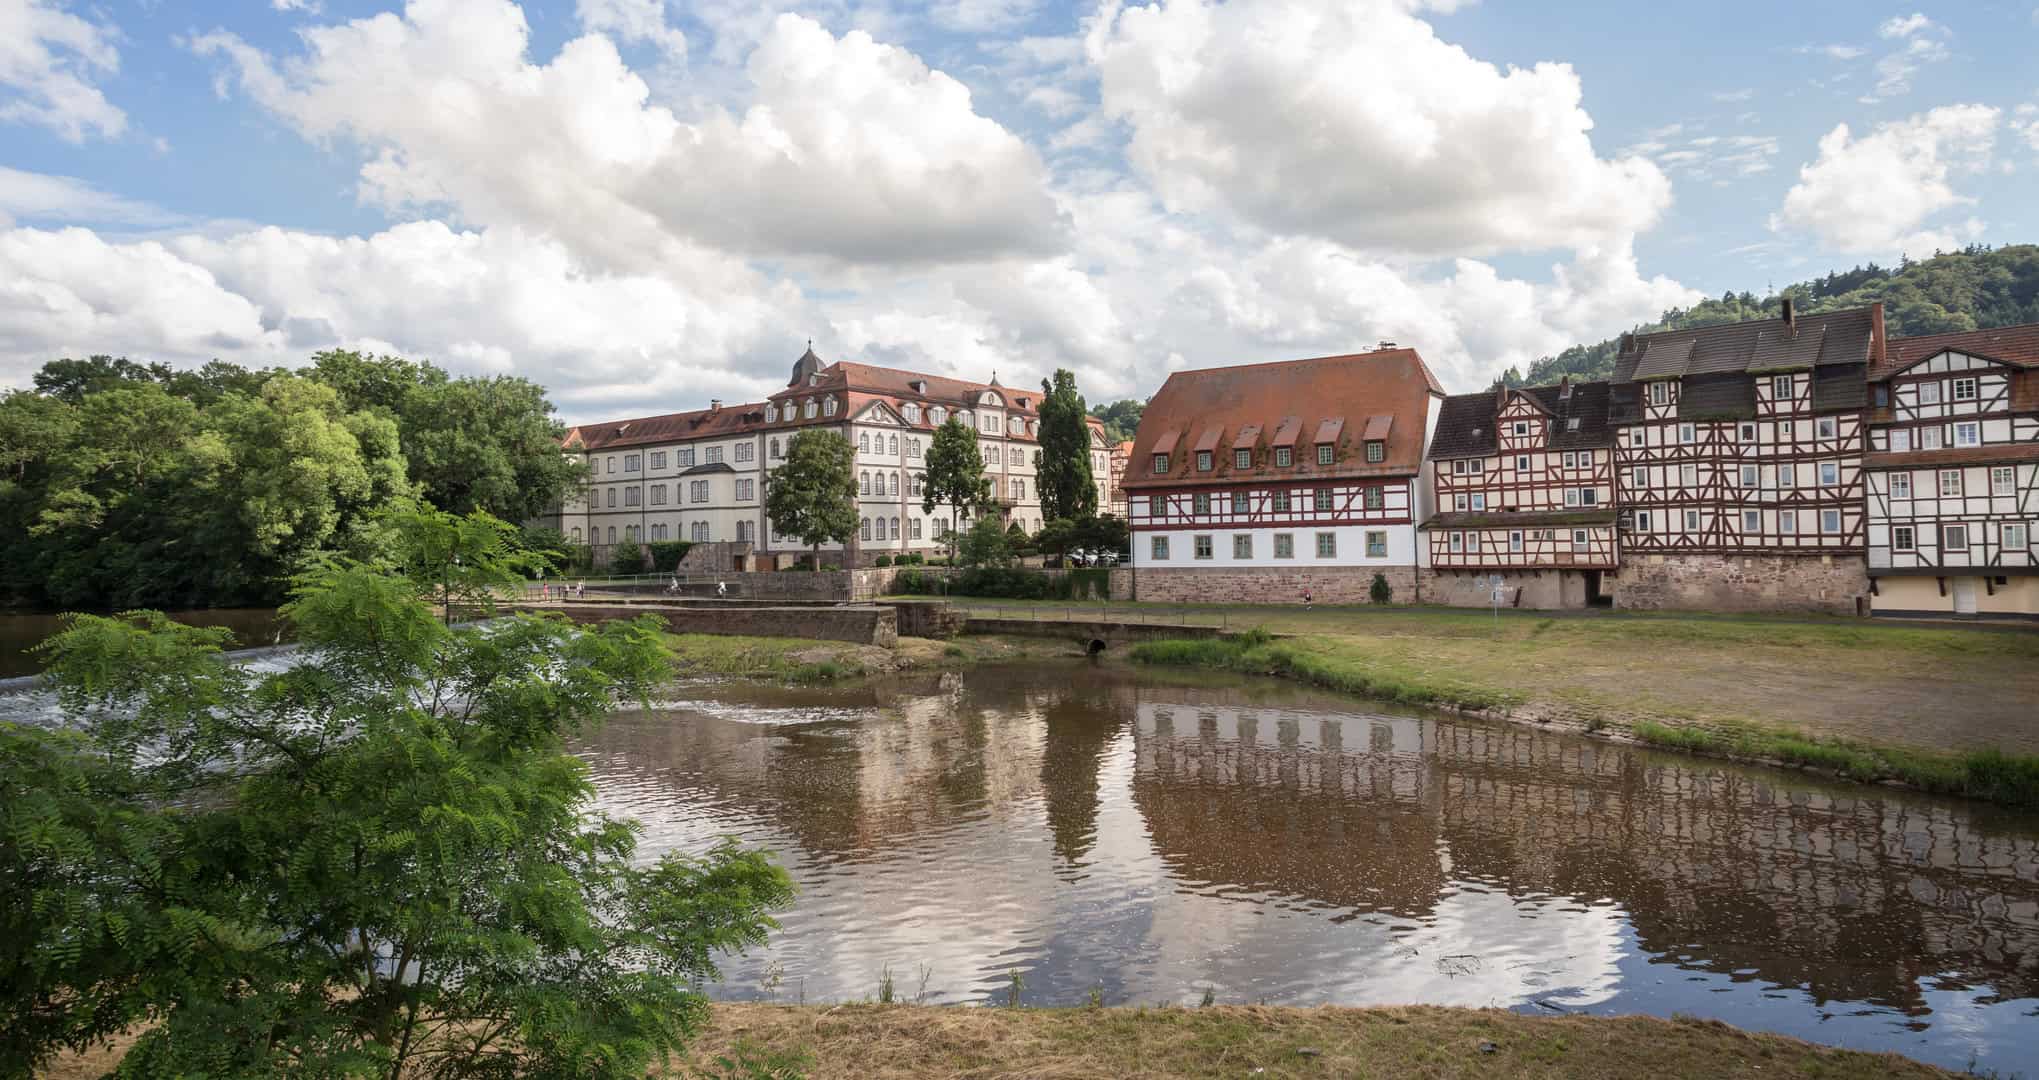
[1263,481]
[1953,474]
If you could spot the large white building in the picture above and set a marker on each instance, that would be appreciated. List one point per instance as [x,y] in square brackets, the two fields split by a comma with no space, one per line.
[700,475]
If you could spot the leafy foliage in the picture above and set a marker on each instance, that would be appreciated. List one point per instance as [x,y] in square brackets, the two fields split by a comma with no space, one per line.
[814,494]
[1068,490]
[955,476]
[1973,289]
[988,543]
[379,861]
[1121,418]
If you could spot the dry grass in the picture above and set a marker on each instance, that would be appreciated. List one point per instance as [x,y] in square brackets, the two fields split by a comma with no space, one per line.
[1231,1041]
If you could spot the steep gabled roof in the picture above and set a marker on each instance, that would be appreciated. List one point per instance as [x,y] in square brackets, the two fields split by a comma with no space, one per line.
[1297,399]
[666,428]
[1465,425]
[1758,345]
[2017,346]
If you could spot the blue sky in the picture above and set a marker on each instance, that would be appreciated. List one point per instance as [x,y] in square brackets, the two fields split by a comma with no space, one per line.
[646,204]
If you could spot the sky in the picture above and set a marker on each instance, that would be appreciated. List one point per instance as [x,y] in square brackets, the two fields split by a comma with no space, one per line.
[646,204]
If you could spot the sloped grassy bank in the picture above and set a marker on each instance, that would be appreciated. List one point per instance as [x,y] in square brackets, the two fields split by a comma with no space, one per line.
[1323,660]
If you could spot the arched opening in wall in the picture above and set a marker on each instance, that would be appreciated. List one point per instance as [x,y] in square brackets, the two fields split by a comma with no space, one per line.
[1095,647]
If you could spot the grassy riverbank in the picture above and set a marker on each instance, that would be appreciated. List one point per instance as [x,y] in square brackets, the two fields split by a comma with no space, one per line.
[805,660]
[1430,1043]
[1492,678]
[1232,1041]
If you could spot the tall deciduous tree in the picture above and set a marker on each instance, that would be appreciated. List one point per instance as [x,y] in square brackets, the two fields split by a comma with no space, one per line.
[381,860]
[814,494]
[1068,489]
[1121,418]
[955,475]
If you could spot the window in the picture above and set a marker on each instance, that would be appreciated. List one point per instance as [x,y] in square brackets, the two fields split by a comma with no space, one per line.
[1780,387]
[1203,461]
[809,408]
[1238,502]
[1242,459]
[697,491]
[1639,477]
[1880,395]
[1950,483]
[1954,538]
[892,484]
[749,451]
[1284,456]
[1748,432]
[686,457]
[1242,545]
[1327,545]
[1965,390]
[771,414]
[1458,542]
[775,450]
[1642,521]
[1830,521]
[864,483]
[1787,477]
[1323,453]
[1571,496]
[1588,496]
[1522,463]
[1830,473]
[1900,440]
[612,534]
[658,459]
[746,489]
[1479,500]
[1901,485]
[714,454]
[1828,427]
[1376,545]
[1688,474]
[895,529]
[1376,451]
[2014,537]
[1929,393]
[1203,547]
[612,463]
[1688,433]
[2003,480]
[1320,500]
[1749,476]
[914,482]
[612,497]
[863,442]
[913,448]
[1968,434]
[1787,522]
[1752,521]
[1929,438]
[1572,424]
[1660,393]
[1201,502]
[1476,466]
[1515,540]
[1571,460]
[1284,545]
[701,533]
[1160,463]
[912,415]
[1692,520]
[1157,548]
[576,534]
[937,415]
[1579,541]
[1902,538]
[828,406]
[1281,502]
[864,528]
[1019,488]
[916,527]
[1157,505]
[1375,498]
[658,494]
[1459,503]
[1521,428]
[633,496]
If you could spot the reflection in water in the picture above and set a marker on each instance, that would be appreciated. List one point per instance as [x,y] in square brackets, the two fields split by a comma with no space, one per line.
[20,634]
[1096,828]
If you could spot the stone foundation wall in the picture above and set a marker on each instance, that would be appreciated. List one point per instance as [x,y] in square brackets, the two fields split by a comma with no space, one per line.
[1272,584]
[1121,586]
[863,625]
[1530,589]
[927,618]
[1832,584]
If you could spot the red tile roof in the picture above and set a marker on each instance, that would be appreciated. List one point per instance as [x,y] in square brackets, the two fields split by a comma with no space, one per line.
[1965,455]
[858,385]
[669,427]
[1389,383]
[2014,345]
[1377,428]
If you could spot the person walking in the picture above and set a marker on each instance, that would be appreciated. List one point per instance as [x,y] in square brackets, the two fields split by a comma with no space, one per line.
[1307,598]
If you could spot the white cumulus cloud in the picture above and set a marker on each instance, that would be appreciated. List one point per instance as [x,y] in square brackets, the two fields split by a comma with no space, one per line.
[1875,194]
[48,60]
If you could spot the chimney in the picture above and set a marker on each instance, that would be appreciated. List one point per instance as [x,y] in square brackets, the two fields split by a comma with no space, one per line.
[1628,342]
[1790,317]
[714,404]
[1564,388]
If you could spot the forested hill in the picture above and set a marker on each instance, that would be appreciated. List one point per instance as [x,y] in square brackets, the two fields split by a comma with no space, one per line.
[1974,289]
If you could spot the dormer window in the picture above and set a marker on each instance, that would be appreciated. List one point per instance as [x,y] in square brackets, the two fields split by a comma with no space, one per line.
[828,406]
[1780,387]
[1521,428]
[809,409]
[1160,464]
[771,414]
[1242,459]
[813,380]
[1203,461]
[1284,456]
[938,414]
[1376,452]
[1324,452]
[1660,393]
[911,412]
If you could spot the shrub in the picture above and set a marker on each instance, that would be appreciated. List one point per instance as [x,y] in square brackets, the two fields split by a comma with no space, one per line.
[1380,592]
[666,554]
[882,560]
[627,559]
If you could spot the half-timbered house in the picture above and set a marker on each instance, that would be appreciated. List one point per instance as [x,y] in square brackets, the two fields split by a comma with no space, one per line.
[1524,482]
[1953,474]
[1267,482]
[1738,462]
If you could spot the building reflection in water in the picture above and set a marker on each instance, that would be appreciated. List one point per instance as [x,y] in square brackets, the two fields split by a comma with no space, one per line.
[1120,831]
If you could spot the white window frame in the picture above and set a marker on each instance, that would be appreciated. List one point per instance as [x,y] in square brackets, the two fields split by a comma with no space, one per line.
[1903,538]
[1284,456]
[2003,480]
[1327,545]
[1747,431]
[1284,545]
[1242,545]
[1830,473]
[1660,393]
[1950,478]
[1960,530]
[1201,547]
[1969,383]
[1752,476]
[1204,461]
[1242,458]
[1522,463]
[1325,453]
[1752,521]
[2013,536]
[1160,463]
[1783,387]
[1458,543]
[1900,485]
[1830,522]
[1157,548]
[1968,433]
[1828,427]
[1377,544]
[1479,501]
[1515,541]
[1688,433]
[1787,522]
[1929,392]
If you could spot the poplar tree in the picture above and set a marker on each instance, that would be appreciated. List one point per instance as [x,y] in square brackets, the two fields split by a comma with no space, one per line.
[1068,489]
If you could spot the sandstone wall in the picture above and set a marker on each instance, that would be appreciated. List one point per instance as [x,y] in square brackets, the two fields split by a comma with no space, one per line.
[865,625]
[1833,584]
[1272,584]
[1531,589]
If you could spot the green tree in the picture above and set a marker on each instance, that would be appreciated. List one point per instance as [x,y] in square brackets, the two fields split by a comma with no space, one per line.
[1056,537]
[1068,489]
[378,861]
[955,475]
[814,494]
[987,543]
[1121,418]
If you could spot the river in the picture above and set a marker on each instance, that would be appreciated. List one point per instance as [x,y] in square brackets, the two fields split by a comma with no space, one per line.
[1152,836]
[20,634]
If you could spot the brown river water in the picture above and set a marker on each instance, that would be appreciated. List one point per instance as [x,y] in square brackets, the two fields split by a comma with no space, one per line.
[1151,836]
